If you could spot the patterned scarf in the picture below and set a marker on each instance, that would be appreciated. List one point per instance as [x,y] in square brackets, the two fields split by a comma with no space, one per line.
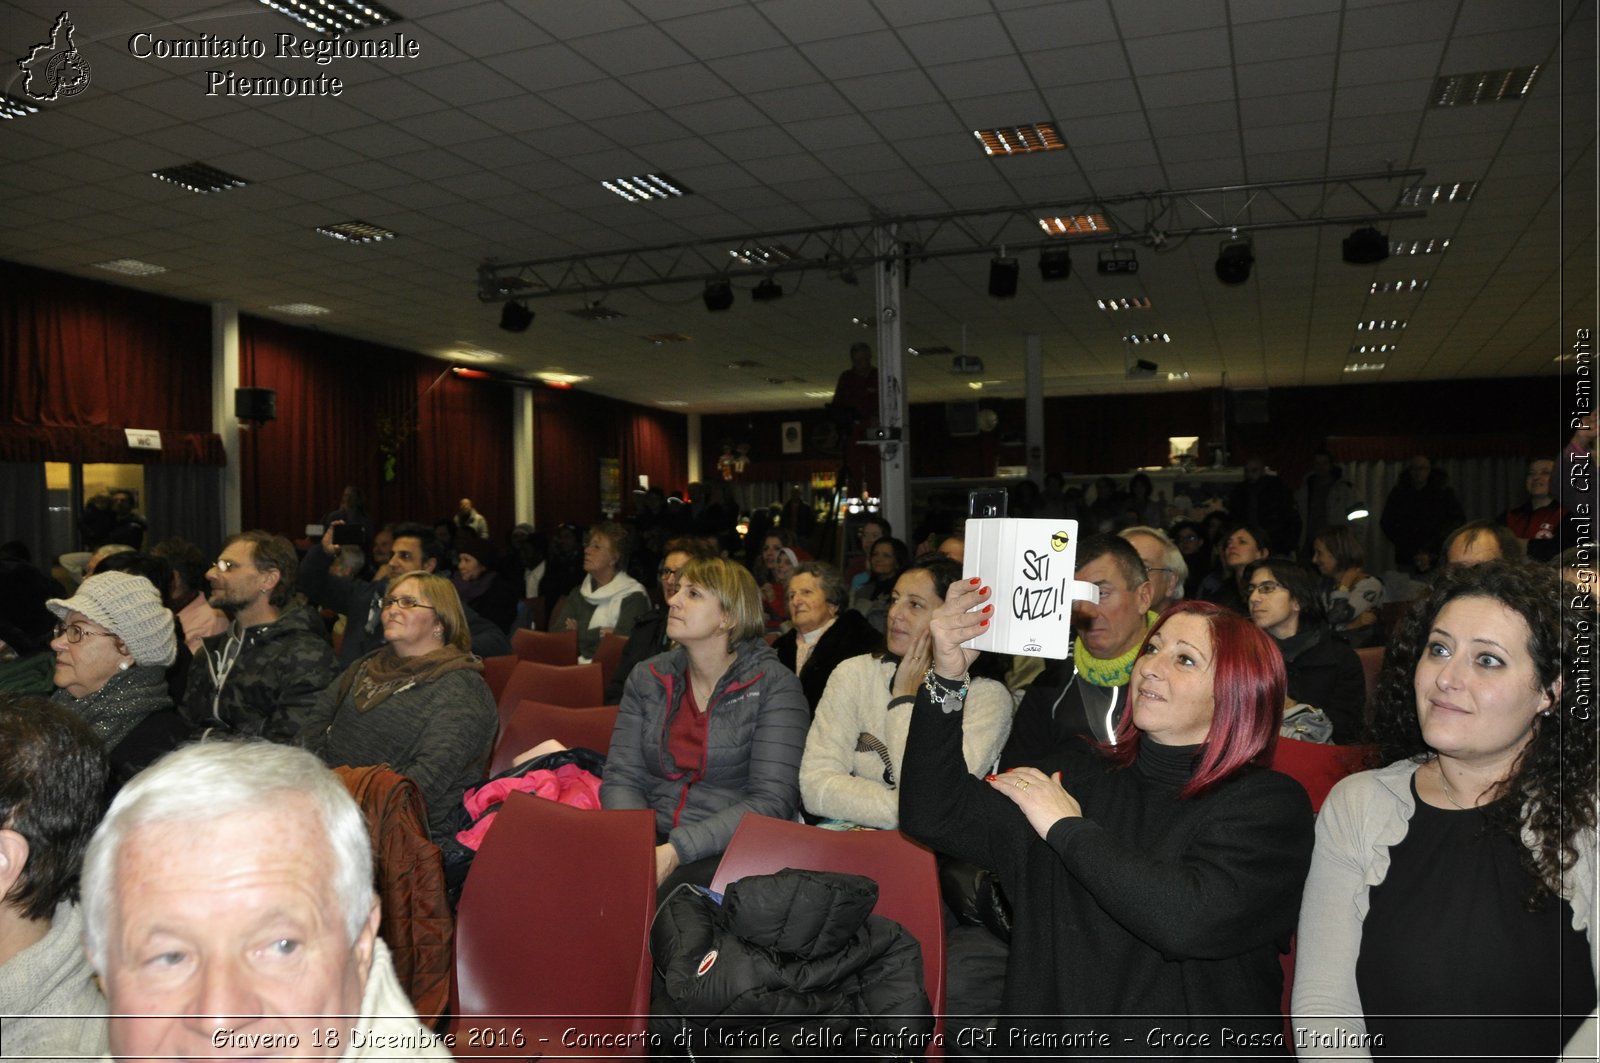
[122,703]
[385,673]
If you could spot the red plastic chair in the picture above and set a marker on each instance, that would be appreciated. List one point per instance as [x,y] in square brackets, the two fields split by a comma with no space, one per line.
[545,647]
[906,873]
[535,721]
[497,673]
[609,655]
[1315,766]
[576,686]
[553,932]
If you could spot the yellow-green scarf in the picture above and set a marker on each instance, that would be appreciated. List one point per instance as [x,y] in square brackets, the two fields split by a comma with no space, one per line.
[1106,671]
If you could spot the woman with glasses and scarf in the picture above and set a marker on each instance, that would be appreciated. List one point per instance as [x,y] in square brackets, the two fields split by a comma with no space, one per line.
[418,703]
[112,645]
[709,730]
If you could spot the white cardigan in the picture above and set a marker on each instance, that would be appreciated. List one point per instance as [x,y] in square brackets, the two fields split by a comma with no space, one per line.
[838,782]
[1364,816]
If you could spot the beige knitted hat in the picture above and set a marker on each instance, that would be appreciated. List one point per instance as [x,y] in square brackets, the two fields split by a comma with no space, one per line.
[130,608]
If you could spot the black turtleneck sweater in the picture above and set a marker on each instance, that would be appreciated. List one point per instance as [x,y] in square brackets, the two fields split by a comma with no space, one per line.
[1149,916]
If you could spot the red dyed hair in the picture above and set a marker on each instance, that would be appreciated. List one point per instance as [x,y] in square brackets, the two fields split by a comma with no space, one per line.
[1248,686]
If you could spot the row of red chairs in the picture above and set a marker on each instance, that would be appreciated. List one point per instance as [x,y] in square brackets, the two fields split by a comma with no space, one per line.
[561,648]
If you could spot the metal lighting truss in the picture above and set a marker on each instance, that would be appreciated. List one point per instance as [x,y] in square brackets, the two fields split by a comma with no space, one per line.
[1155,219]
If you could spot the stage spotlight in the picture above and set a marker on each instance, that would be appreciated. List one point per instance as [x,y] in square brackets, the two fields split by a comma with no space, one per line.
[514,317]
[718,295]
[1003,277]
[1055,264]
[766,291]
[1234,260]
[1365,246]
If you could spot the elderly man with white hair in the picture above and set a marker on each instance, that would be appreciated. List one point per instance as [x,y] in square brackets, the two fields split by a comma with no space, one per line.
[229,911]
[1162,560]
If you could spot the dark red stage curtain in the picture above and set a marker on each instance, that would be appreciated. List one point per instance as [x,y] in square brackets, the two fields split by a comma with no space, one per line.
[574,430]
[80,354]
[352,413]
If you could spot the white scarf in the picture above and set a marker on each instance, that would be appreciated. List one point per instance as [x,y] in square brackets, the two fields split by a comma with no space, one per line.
[607,600]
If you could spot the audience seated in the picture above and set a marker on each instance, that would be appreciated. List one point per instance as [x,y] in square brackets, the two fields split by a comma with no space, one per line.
[1198,556]
[1325,499]
[52,791]
[480,585]
[1478,541]
[825,632]
[710,730]
[259,676]
[851,769]
[188,597]
[1240,545]
[1323,671]
[113,644]
[1085,696]
[1261,500]
[649,635]
[245,868]
[775,590]
[1537,522]
[1355,598]
[608,601]
[418,704]
[1163,563]
[870,596]
[414,550]
[1420,510]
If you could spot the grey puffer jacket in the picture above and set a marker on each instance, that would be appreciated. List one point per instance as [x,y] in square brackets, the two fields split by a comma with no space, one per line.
[754,739]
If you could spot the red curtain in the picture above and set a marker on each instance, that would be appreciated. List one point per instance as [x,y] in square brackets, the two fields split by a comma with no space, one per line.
[346,409]
[82,355]
[574,430]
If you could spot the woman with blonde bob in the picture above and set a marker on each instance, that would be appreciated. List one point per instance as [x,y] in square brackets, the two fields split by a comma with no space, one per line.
[1450,909]
[709,730]
[1153,883]
[418,703]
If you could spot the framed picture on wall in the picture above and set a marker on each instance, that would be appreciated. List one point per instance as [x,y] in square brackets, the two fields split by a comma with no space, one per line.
[793,442]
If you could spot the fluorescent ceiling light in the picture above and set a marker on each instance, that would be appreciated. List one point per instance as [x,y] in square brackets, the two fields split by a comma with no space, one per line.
[761,254]
[819,394]
[15,106]
[1392,325]
[471,352]
[198,177]
[301,309]
[1374,348]
[1147,337]
[1020,139]
[1075,224]
[557,375]
[334,16]
[1173,378]
[1138,303]
[1488,86]
[131,267]
[1418,247]
[1433,195]
[1363,367]
[645,186]
[1398,287]
[672,402]
[356,232]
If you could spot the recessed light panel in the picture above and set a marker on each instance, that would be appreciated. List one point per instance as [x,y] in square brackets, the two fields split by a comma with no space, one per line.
[130,267]
[1413,286]
[356,232]
[198,177]
[301,309]
[1488,86]
[1392,325]
[560,377]
[1147,337]
[1020,139]
[761,254]
[645,186]
[1374,348]
[1076,225]
[680,402]
[334,16]
[1363,367]
[1434,195]
[1418,247]
[1140,303]
[15,107]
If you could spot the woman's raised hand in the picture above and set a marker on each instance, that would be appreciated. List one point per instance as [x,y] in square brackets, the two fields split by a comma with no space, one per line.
[952,625]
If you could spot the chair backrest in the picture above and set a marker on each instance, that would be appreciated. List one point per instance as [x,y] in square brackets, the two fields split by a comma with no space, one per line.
[907,876]
[577,686]
[1371,665]
[546,647]
[1314,766]
[535,721]
[609,655]
[553,931]
[497,673]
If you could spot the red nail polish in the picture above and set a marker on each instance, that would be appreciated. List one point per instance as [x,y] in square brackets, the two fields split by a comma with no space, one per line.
[990,778]
[983,590]
[975,580]
[988,608]
[985,623]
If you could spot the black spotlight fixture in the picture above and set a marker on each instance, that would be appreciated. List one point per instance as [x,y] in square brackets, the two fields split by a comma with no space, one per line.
[514,317]
[718,295]
[1365,246]
[1003,277]
[1234,260]
[766,291]
[1055,264]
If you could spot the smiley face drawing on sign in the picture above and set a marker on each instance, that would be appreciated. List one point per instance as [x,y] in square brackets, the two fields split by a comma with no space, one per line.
[1059,541]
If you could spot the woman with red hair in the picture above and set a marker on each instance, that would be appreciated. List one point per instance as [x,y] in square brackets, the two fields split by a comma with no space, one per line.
[1153,883]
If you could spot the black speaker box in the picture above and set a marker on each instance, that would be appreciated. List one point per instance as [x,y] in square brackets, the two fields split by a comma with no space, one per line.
[255,404]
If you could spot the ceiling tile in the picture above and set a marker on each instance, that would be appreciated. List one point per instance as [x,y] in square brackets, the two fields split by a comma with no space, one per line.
[483,30]
[1144,18]
[631,50]
[1077,65]
[803,21]
[957,40]
[729,31]
[598,99]
[674,86]
[868,53]
[1194,50]
[545,67]
[802,102]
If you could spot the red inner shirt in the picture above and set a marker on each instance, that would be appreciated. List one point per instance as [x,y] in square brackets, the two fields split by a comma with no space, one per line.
[686,743]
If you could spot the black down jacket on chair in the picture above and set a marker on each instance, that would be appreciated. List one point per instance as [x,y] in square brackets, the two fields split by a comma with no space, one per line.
[792,963]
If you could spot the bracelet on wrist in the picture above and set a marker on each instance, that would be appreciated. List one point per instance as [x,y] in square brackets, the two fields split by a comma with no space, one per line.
[949,694]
